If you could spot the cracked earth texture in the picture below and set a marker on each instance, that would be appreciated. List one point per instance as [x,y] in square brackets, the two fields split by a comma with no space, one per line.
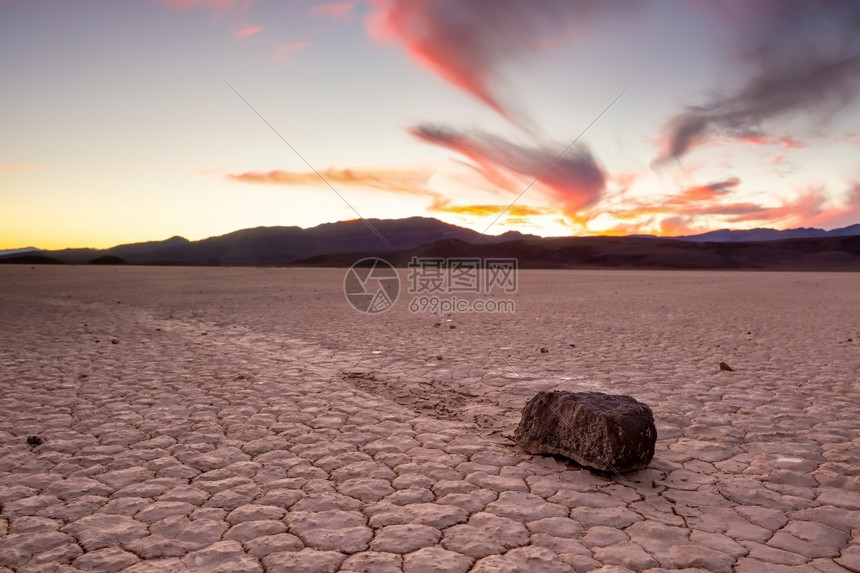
[226,420]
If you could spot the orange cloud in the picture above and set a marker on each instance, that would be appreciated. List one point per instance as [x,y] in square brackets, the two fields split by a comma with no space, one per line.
[333,10]
[407,181]
[709,191]
[284,51]
[246,32]
[676,215]
[488,210]
[676,226]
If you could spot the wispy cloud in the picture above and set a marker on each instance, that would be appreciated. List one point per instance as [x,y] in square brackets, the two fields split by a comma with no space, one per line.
[404,181]
[806,61]
[284,51]
[767,139]
[492,210]
[334,10]
[682,213]
[574,183]
[247,32]
[465,42]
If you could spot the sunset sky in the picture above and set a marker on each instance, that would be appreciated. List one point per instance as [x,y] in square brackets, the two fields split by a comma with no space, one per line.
[117,123]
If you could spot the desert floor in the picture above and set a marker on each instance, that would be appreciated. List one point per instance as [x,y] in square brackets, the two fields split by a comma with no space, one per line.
[246,420]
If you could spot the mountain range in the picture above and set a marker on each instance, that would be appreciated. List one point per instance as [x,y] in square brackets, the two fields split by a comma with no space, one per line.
[342,243]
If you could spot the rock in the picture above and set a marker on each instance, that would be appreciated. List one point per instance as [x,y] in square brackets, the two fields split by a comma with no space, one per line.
[34,441]
[544,350]
[600,431]
[725,367]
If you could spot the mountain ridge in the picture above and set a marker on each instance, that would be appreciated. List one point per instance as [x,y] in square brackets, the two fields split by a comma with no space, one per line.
[335,243]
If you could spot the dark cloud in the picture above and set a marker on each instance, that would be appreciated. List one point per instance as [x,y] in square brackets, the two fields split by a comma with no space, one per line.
[805,56]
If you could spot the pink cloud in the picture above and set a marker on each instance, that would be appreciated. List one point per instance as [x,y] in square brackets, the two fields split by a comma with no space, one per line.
[575,181]
[676,215]
[333,10]
[765,139]
[283,52]
[464,42]
[246,32]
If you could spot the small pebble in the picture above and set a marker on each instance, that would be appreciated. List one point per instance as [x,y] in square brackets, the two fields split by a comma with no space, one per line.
[544,350]
[114,341]
[453,326]
[34,440]
[725,367]
[438,357]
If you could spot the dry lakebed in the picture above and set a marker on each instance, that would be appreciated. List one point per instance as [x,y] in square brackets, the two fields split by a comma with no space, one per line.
[248,419]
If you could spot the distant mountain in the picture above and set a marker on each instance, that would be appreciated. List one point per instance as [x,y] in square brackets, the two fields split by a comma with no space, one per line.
[8,252]
[828,253]
[342,243]
[730,236]
[283,245]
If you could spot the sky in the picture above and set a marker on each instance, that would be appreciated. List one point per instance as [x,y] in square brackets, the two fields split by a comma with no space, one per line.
[140,120]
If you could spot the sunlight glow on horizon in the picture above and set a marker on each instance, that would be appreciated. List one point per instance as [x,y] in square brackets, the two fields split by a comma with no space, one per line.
[118,128]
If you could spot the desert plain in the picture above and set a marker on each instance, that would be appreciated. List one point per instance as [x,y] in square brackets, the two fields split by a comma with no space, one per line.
[248,419]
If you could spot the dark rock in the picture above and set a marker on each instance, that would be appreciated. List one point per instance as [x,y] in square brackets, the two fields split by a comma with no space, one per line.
[544,350]
[453,326]
[34,441]
[725,367]
[438,357]
[601,431]
[114,341]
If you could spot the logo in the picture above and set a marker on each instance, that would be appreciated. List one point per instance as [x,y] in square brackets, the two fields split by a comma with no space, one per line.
[371,285]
